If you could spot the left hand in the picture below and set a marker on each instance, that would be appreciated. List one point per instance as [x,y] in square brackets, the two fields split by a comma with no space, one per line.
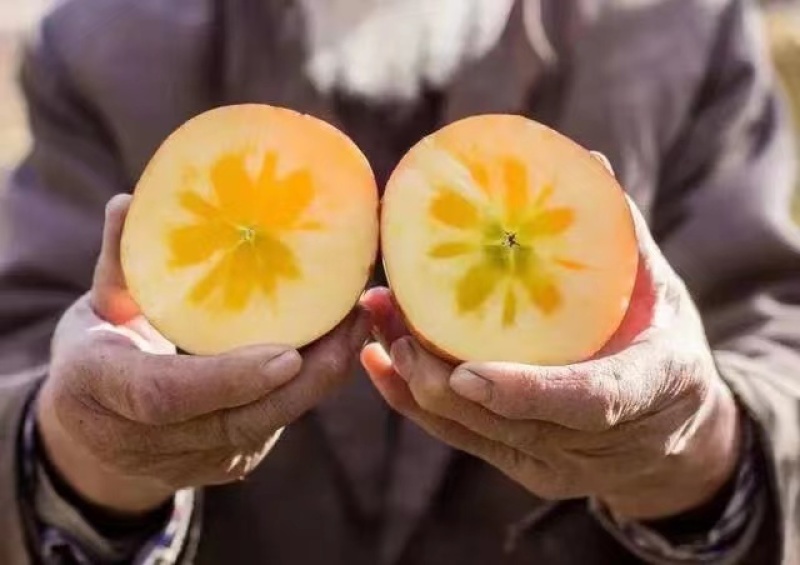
[647,426]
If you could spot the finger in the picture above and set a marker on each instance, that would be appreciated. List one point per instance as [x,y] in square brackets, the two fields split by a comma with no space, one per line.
[388,323]
[167,389]
[376,361]
[591,396]
[398,395]
[72,327]
[327,365]
[109,296]
[184,469]
[527,470]
[426,375]
[428,380]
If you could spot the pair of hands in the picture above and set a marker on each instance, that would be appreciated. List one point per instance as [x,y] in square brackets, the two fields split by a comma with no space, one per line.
[647,426]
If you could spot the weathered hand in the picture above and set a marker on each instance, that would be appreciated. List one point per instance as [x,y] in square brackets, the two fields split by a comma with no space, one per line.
[127,422]
[647,426]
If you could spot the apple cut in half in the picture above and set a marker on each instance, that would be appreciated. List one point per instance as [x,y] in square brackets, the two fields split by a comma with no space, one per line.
[503,240]
[251,224]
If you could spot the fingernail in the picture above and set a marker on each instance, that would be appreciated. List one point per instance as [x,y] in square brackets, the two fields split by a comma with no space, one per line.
[287,363]
[471,386]
[403,357]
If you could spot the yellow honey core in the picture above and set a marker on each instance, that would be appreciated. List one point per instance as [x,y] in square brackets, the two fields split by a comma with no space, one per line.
[503,243]
[242,230]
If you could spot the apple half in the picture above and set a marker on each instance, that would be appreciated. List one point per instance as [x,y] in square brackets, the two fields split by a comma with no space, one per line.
[504,240]
[251,224]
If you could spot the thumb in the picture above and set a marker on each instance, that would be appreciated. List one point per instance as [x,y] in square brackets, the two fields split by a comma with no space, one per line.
[109,296]
[388,323]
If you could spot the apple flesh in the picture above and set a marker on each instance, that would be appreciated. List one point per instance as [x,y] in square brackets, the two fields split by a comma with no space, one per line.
[251,224]
[503,240]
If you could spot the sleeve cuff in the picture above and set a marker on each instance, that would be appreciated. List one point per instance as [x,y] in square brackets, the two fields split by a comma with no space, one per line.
[65,525]
[726,539]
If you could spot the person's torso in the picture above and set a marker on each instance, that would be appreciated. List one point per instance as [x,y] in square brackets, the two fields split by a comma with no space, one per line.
[349,483]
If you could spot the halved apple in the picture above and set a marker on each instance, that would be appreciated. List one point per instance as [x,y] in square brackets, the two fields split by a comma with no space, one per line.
[505,241]
[251,224]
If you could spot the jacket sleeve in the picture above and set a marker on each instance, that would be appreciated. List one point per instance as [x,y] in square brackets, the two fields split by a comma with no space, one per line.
[51,214]
[724,223]
[51,210]
[105,81]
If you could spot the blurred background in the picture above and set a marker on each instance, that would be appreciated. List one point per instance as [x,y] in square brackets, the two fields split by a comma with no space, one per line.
[781,20]
[16,16]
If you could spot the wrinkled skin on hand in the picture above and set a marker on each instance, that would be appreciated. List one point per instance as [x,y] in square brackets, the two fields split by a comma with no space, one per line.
[128,422]
[647,426]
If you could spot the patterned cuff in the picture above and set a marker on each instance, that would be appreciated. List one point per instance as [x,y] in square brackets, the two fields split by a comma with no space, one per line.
[736,524]
[61,533]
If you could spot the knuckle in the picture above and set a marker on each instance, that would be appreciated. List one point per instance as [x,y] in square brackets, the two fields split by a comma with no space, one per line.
[685,378]
[697,388]
[696,395]
[277,411]
[605,400]
[429,393]
[242,432]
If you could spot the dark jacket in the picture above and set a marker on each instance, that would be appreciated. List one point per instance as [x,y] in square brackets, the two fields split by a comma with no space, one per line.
[677,93]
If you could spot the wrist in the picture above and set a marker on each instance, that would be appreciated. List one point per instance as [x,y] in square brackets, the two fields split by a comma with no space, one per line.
[693,476]
[86,475]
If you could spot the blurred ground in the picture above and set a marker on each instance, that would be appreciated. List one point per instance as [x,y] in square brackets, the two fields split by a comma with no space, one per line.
[15,17]
[783,27]
[783,23]
[13,137]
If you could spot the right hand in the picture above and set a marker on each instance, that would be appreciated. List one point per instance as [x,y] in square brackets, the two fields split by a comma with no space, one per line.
[127,422]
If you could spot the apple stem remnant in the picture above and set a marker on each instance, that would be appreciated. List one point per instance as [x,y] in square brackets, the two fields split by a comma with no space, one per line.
[248,234]
[510,240]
